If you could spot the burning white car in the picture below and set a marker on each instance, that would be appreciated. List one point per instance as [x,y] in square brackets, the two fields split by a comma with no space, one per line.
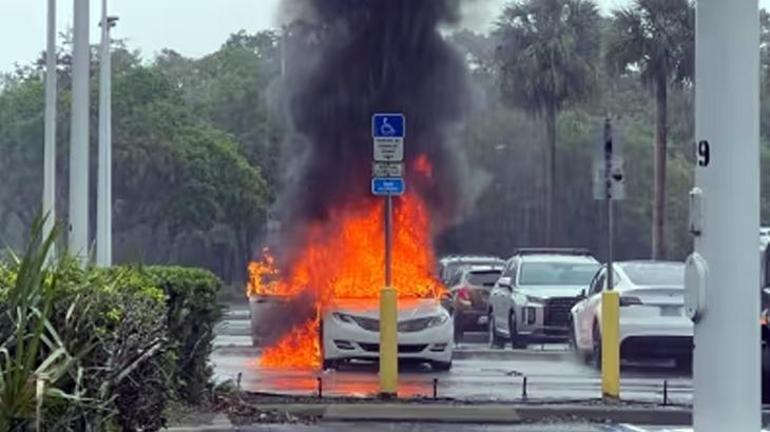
[350,331]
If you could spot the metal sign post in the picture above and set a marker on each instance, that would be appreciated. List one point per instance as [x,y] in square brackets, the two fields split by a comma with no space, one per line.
[608,185]
[388,132]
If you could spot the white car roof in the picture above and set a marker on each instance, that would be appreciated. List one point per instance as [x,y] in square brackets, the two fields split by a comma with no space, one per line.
[455,258]
[577,259]
[619,268]
[475,268]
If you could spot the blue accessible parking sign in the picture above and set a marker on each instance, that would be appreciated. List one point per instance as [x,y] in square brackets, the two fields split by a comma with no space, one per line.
[384,186]
[388,126]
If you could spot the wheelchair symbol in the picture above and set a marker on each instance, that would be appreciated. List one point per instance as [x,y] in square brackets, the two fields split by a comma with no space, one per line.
[386,129]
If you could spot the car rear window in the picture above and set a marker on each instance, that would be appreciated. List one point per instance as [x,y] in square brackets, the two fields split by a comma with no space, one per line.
[455,267]
[483,277]
[556,273]
[668,274]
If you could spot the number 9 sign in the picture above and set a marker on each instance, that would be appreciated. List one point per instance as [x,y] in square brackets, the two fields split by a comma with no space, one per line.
[703,153]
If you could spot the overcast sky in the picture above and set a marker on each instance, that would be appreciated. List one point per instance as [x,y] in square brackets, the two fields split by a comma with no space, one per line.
[192,27]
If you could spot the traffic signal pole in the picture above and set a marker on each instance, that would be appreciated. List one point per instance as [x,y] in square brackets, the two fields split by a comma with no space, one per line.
[723,275]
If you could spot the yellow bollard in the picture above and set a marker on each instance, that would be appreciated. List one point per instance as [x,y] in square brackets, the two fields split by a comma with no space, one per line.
[610,345]
[388,343]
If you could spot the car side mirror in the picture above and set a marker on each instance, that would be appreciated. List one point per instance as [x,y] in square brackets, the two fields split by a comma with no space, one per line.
[582,294]
[505,282]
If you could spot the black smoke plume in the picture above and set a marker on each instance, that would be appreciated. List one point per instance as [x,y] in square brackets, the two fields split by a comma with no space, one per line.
[348,59]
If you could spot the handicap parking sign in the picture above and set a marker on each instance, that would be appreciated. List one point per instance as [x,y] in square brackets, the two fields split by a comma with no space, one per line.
[388,126]
[384,186]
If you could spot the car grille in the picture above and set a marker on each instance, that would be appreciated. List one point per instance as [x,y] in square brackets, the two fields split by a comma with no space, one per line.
[408,326]
[402,348]
[557,311]
[370,324]
[414,325]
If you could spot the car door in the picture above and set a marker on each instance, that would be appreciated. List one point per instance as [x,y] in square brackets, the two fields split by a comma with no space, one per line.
[591,305]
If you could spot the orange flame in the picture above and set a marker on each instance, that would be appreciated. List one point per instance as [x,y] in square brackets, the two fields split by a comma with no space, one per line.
[423,166]
[344,258]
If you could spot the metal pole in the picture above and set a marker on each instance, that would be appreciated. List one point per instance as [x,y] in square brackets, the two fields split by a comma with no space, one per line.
[78,193]
[610,319]
[389,241]
[388,316]
[104,187]
[49,146]
[727,333]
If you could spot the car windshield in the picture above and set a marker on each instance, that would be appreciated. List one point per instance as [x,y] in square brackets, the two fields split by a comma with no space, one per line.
[483,277]
[670,274]
[556,273]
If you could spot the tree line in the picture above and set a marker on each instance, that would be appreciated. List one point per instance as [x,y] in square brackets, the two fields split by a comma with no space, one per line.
[197,141]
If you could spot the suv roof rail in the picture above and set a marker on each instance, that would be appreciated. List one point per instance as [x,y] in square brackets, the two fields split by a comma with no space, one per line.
[552,251]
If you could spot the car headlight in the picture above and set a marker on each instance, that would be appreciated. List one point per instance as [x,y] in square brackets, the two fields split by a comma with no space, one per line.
[438,320]
[343,317]
[533,299]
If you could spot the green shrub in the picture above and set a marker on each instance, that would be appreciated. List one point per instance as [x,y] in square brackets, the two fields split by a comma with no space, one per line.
[136,336]
[117,321]
[192,312]
[34,362]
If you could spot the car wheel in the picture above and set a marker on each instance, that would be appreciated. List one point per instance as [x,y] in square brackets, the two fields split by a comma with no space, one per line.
[517,341]
[495,341]
[596,351]
[438,366]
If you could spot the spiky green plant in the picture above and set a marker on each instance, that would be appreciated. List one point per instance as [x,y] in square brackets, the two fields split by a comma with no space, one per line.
[33,358]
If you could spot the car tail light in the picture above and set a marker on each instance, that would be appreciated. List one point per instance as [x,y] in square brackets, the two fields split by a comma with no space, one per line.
[630,301]
[464,294]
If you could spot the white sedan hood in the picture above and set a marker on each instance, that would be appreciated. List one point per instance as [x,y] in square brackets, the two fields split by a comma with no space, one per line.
[407,308]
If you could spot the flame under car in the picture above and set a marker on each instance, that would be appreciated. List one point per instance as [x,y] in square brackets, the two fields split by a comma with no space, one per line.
[350,331]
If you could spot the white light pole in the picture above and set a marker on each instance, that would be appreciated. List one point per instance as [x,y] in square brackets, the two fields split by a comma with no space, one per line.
[727,333]
[104,187]
[78,193]
[49,145]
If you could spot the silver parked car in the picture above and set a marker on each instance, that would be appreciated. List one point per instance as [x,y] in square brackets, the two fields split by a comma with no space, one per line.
[535,293]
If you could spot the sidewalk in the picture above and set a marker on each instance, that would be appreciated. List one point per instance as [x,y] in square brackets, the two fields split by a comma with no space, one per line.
[500,414]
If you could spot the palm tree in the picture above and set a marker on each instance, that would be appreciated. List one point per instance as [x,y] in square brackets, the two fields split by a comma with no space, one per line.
[547,55]
[655,38]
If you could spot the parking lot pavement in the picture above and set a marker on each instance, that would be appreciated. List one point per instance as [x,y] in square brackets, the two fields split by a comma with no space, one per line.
[478,374]
[427,427]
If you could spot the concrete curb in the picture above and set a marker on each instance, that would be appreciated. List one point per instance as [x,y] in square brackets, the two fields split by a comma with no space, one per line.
[492,413]
[219,423]
[460,354]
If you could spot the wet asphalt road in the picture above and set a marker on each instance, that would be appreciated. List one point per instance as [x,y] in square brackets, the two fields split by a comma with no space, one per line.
[444,427]
[478,374]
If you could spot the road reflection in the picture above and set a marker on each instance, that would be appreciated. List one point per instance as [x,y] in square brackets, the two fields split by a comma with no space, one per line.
[351,380]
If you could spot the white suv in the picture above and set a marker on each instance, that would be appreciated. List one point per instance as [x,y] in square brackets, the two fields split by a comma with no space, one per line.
[535,293]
